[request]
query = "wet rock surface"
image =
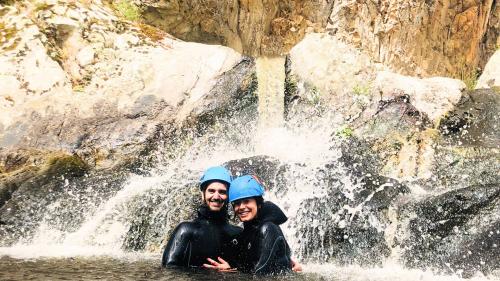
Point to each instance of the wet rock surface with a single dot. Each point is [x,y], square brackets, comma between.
[346,223]
[457,231]
[349,223]
[57,199]
[474,121]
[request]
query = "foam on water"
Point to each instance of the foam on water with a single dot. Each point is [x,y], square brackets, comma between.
[389,271]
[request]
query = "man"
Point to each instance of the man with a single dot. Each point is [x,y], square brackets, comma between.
[209,235]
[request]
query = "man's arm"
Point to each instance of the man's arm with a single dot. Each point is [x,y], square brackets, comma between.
[178,250]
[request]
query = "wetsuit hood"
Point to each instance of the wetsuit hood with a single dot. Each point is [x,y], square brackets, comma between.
[269,212]
[206,213]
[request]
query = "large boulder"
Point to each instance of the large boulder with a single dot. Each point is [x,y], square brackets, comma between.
[433,97]
[490,78]
[457,231]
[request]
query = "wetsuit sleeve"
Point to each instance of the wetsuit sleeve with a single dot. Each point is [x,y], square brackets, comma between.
[178,250]
[273,250]
[231,247]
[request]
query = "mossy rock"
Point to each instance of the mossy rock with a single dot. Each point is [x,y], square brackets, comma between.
[69,165]
[8,37]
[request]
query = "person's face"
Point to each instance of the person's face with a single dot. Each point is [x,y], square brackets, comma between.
[215,196]
[245,209]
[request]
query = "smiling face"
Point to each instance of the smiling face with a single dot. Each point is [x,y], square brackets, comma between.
[245,209]
[215,196]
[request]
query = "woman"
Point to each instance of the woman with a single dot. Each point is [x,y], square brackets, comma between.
[261,247]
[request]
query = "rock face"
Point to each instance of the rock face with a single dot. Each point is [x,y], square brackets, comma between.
[88,91]
[250,27]
[420,37]
[457,231]
[323,70]
[490,78]
[434,96]
[108,83]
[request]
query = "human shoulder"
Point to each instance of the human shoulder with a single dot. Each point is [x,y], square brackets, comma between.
[185,228]
[269,228]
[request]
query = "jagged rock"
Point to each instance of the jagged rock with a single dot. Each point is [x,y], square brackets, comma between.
[490,78]
[264,167]
[432,96]
[419,37]
[456,231]
[251,27]
[54,196]
[474,120]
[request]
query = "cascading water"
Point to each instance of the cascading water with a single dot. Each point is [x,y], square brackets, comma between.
[271,89]
[338,212]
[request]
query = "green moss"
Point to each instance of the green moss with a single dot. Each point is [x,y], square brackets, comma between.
[127,10]
[468,74]
[78,88]
[345,131]
[361,90]
[8,40]
[314,96]
[71,165]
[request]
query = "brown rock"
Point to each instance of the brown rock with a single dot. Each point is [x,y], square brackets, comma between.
[250,27]
[420,37]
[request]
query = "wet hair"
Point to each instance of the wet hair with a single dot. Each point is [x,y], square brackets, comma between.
[259,200]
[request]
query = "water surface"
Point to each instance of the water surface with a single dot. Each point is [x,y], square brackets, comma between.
[107,268]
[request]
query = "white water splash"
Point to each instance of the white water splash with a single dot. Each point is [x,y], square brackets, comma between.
[389,271]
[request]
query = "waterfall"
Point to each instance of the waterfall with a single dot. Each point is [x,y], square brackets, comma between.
[271,91]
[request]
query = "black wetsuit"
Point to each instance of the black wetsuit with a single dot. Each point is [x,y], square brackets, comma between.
[262,247]
[208,236]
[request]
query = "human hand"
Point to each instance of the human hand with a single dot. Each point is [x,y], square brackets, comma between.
[222,265]
[296,266]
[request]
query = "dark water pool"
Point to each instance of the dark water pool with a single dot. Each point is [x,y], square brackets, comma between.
[114,269]
[105,268]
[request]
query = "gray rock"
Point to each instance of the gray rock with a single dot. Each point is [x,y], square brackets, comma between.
[457,231]
[474,121]
[490,78]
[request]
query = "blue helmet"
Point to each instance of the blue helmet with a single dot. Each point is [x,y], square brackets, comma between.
[217,173]
[245,187]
